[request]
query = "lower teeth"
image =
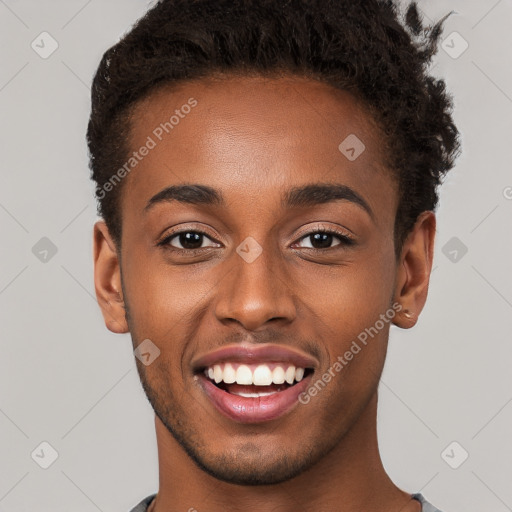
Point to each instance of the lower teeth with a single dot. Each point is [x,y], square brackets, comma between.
[255,395]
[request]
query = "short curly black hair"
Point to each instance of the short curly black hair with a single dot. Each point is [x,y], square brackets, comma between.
[369,48]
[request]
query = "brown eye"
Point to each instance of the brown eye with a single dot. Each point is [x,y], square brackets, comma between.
[186,240]
[323,239]
[190,240]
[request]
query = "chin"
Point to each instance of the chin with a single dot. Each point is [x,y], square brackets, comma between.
[254,472]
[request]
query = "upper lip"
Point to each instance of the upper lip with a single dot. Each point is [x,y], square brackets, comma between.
[250,353]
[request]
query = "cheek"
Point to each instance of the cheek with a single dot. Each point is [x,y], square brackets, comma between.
[345,305]
[342,299]
[348,297]
[160,294]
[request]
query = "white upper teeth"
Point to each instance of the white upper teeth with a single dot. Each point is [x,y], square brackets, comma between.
[259,375]
[262,375]
[243,375]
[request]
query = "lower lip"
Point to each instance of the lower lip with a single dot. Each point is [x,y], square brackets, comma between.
[253,409]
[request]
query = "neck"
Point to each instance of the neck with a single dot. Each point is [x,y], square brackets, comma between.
[350,478]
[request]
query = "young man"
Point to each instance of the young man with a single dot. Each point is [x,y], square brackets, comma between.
[266,171]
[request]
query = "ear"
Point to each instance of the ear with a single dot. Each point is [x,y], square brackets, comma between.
[414,269]
[107,280]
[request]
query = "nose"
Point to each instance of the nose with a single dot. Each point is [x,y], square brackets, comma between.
[255,292]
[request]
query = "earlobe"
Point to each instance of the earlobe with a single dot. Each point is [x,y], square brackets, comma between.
[414,269]
[107,280]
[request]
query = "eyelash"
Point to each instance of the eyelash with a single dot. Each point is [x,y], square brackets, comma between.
[345,240]
[344,237]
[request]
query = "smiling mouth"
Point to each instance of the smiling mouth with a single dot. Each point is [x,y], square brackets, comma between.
[250,383]
[255,380]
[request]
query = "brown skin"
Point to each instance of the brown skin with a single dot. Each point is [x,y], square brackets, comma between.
[253,139]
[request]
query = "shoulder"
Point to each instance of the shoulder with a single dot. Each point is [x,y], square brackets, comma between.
[425,505]
[143,505]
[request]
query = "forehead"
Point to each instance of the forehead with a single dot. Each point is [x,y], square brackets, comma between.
[250,134]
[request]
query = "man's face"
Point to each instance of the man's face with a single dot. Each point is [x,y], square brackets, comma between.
[254,271]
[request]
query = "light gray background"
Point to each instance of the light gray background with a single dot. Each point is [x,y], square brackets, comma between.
[65,379]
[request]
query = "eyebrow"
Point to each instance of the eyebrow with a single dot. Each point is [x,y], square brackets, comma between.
[297,197]
[321,193]
[189,194]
